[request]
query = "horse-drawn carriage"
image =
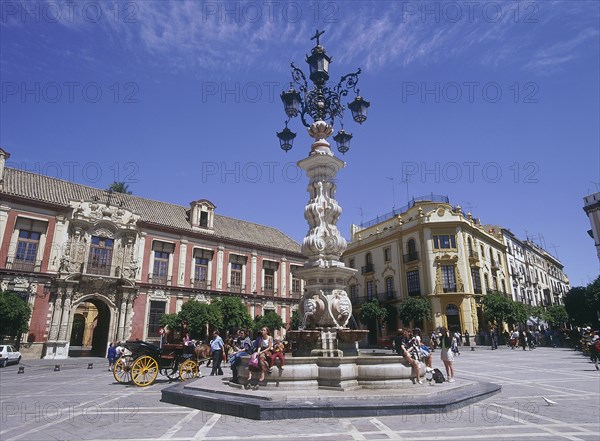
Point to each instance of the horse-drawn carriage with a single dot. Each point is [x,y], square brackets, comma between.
[147,361]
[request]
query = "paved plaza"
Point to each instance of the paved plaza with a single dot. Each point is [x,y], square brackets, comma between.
[77,403]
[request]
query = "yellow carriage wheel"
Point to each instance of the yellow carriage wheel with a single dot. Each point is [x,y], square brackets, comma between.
[144,370]
[189,369]
[122,369]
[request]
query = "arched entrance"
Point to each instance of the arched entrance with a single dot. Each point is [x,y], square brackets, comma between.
[89,332]
[453,318]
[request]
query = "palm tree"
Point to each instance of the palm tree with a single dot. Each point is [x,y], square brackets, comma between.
[119,187]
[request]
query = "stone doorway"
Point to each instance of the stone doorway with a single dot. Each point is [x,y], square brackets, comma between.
[90,329]
[453,318]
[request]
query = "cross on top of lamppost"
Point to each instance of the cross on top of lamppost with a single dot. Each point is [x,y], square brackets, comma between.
[322,102]
[317,35]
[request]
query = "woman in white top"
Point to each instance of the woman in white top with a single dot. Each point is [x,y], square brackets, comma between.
[264,351]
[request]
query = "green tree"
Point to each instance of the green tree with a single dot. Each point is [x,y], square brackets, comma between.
[119,187]
[556,315]
[173,321]
[14,316]
[201,316]
[373,314]
[519,313]
[497,308]
[271,320]
[295,320]
[414,308]
[583,304]
[234,314]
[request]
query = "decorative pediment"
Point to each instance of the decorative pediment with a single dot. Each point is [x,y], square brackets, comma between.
[158,294]
[93,211]
[388,271]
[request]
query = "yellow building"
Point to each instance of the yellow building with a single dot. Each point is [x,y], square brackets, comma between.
[429,249]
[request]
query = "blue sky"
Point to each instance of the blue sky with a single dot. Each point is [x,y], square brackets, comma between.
[495,104]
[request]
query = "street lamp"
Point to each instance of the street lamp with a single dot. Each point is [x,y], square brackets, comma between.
[325,305]
[321,102]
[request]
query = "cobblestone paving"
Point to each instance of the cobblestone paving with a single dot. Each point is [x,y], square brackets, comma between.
[77,403]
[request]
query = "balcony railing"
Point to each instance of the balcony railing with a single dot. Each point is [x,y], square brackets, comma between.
[201,284]
[414,293]
[449,288]
[367,269]
[236,288]
[295,294]
[23,265]
[411,257]
[159,279]
[269,291]
[98,269]
[477,291]
[388,295]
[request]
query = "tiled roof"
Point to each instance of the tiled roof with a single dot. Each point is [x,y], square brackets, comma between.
[46,189]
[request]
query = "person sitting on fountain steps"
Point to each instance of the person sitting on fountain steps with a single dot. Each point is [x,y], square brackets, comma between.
[405,349]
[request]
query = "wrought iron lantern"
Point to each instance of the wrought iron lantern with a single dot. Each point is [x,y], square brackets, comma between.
[343,141]
[286,138]
[291,102]
[319,64]
[320,101]
[359,109]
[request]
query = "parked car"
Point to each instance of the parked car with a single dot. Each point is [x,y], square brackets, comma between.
[9,355]
[386,342]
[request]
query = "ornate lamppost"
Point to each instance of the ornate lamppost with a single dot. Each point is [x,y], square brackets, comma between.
[325,307]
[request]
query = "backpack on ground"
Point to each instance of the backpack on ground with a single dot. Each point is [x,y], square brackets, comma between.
[438,377]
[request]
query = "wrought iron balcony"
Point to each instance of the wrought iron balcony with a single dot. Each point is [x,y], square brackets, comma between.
[159,279]
[449,288]
[16,264]
[269,291]
[295,294]
[411,257]
[201,284]
[367,269]
[414,293]
[97,268]
[236,288]
[477,291]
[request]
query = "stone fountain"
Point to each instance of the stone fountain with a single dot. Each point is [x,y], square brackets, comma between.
[325,376]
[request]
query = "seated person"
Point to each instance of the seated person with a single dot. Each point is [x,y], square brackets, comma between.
[278,352]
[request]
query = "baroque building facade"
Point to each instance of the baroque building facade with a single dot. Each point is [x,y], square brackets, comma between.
[435,250]
[537,277]
[98,266]
[429,249]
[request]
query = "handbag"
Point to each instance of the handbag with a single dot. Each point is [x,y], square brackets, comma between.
[253,361]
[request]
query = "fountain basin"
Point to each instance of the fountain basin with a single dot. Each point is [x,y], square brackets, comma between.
[336,373]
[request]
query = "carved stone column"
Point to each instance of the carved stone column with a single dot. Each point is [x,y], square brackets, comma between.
[122,314]
[325,305]
[56,314]
[128,316]
[253,272]
[66,314]
[221,248]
